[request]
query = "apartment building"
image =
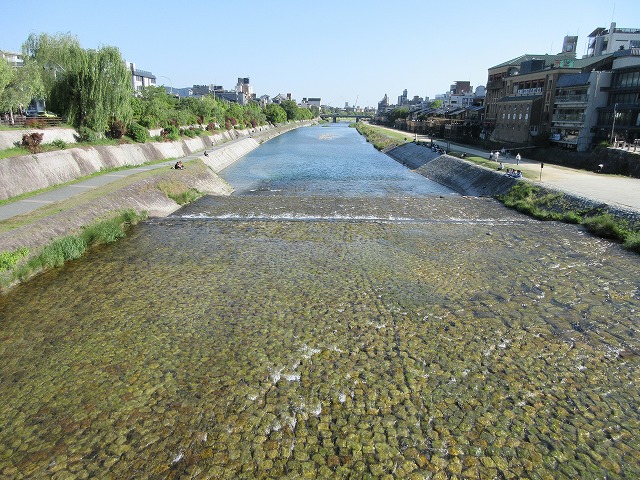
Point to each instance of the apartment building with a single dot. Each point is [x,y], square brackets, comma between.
[140,78]
[577,99]
[619,120]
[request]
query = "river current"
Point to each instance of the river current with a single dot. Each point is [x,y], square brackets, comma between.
[339,316]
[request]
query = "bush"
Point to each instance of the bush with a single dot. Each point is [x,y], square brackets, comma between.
[139,133]
[59,144]
[108,231]
[632,242]
[170,132]
[117,129]
[606,226]
[211,127]
[31,141]
[10,259]
[67,248]
[189,132]
[85,134]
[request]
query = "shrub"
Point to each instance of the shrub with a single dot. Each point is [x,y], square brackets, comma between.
[117,129]
[10,259]
[571,217]
[31,141]
[67,248]
[170,132]
[632,242]
[85,134]
[189,132]
[138,133]
[606,226]
[59,144]
[211,127]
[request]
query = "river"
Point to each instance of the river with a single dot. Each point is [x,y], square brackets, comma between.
[338,316]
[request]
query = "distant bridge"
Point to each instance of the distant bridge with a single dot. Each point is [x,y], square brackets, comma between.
[335,116]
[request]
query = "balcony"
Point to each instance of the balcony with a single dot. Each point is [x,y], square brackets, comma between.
[583,98]
[568,118]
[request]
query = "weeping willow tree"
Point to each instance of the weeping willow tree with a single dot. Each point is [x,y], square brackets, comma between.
[90,87]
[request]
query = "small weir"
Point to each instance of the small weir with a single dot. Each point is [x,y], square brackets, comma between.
[318,324]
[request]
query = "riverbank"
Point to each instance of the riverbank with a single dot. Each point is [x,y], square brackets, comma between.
[153,191]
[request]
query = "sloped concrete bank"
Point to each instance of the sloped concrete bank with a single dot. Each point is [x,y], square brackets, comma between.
[29,173]
[470,179]
[460,175]
[143,195]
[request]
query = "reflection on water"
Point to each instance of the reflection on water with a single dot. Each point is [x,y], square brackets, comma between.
[268,336]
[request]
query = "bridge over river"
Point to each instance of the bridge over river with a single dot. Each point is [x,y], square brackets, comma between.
[336,116]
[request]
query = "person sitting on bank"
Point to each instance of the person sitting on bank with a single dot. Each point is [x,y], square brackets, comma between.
[179,165]
[501,166]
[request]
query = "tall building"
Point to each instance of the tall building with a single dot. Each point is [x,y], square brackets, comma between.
[244,86]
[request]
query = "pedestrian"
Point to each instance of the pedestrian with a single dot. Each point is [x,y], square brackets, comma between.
[518,157]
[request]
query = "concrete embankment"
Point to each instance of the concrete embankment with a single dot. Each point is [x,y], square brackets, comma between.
[141,195]
[460,175]
[29,173]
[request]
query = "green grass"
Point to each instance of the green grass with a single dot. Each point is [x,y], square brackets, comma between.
[381,138]
[70,247]
[530,200]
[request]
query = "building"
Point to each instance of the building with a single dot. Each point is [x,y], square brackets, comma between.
[577,99]
[311,102]
[140,78]
[619,120]
[520,93]
[244,87]
[602,41]
[14,59]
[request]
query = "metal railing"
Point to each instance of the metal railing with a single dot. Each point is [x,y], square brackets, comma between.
[583,98]
[574,118]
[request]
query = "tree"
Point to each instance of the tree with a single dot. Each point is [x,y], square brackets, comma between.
[53,54]
[275,113]
[436,104]
[291,109]
[18,86]
[153,107]
[90,87]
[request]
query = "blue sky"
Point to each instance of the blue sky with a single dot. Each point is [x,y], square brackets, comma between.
[339,50]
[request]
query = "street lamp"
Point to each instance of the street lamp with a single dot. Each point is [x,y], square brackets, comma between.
[170,82]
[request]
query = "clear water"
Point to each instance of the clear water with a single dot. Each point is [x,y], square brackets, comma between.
[275,335]
[329,160]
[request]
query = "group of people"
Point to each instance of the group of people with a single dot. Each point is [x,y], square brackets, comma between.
[511,172]
[505,153]
[437,148]
[179,165]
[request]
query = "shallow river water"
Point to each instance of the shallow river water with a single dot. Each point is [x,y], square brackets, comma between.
[382,329]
